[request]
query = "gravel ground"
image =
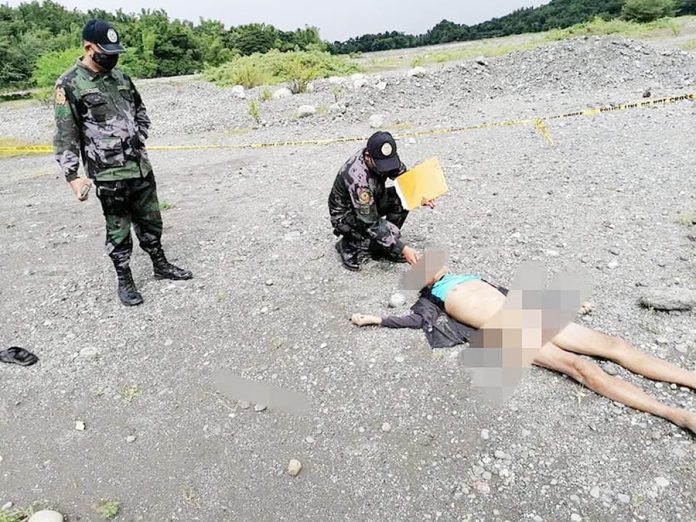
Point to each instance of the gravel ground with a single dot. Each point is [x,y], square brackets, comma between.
[158,438]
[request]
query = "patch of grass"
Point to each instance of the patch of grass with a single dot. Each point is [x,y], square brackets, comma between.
[487,50]
[131,393]
[239,131]
[599,27]
[337,91]
[108,509]
[21,515]
[298,68]
[406,125]
[688,46]
[686,219]
[254,111]
[166,205]
[266,95]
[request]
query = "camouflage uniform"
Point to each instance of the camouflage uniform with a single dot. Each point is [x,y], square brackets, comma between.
[101,117]
[364,210]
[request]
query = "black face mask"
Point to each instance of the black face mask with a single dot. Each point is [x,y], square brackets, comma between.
[105,61]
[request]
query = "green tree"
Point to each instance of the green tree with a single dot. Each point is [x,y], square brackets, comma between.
[648,10]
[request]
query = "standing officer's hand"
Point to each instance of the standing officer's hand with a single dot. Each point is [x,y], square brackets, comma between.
[428,203]
[81,188]
[411,255]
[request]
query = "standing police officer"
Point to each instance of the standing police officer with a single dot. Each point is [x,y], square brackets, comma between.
[364,210]
[101,117]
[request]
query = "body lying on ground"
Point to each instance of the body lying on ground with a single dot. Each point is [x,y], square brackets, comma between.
[468,303]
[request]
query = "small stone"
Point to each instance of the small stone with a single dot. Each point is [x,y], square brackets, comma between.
[309,440]
[397,300]
[88,352]
[259,408]
[500,455]
[485,435]
[613,264]
[7,506]
[669,299]
[239,92]
[615,251]
[359,84]
[244,405]
[553,253]
[575,498]
[575,517]
[624,499]
[386,427]
[46,516]
[482,61]
[417,72]
[294,467]
[80,426]
[662,482]
[662,341]
[131,438]
[595,492]
[283,92]
[269,282]
[376,121]
[305,111]
[610,368]
[486,475]
[381,86]
[647,93]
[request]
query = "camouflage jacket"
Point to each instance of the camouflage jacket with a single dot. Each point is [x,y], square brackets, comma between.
[102,118]
[353,204]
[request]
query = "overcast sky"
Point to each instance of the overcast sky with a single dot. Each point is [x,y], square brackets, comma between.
[336,20]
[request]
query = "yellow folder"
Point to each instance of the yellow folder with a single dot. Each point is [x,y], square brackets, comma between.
[422,183]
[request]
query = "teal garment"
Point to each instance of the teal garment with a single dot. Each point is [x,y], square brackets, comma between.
[442,287]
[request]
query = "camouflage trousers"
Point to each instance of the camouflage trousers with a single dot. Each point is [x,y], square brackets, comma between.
[125,203]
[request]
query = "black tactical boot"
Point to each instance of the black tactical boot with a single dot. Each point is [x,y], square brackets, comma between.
[350,254]
[127,292]
[379,252]
[165,270]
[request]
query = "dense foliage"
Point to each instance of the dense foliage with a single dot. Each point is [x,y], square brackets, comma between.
[39,38]
[558,14]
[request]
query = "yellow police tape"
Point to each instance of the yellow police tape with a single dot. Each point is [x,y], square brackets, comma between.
[539,123]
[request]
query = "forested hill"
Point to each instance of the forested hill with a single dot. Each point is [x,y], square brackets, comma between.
[557,14]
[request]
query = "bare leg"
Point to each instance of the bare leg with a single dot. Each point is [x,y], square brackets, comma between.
[579,339]
[592,376]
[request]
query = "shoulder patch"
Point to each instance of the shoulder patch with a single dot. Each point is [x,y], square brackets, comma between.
[59,96]
[365,196]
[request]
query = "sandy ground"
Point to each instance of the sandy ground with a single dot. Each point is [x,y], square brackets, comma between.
[618,181]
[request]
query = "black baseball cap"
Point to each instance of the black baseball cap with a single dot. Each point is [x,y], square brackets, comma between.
[382,149]
[104,35]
